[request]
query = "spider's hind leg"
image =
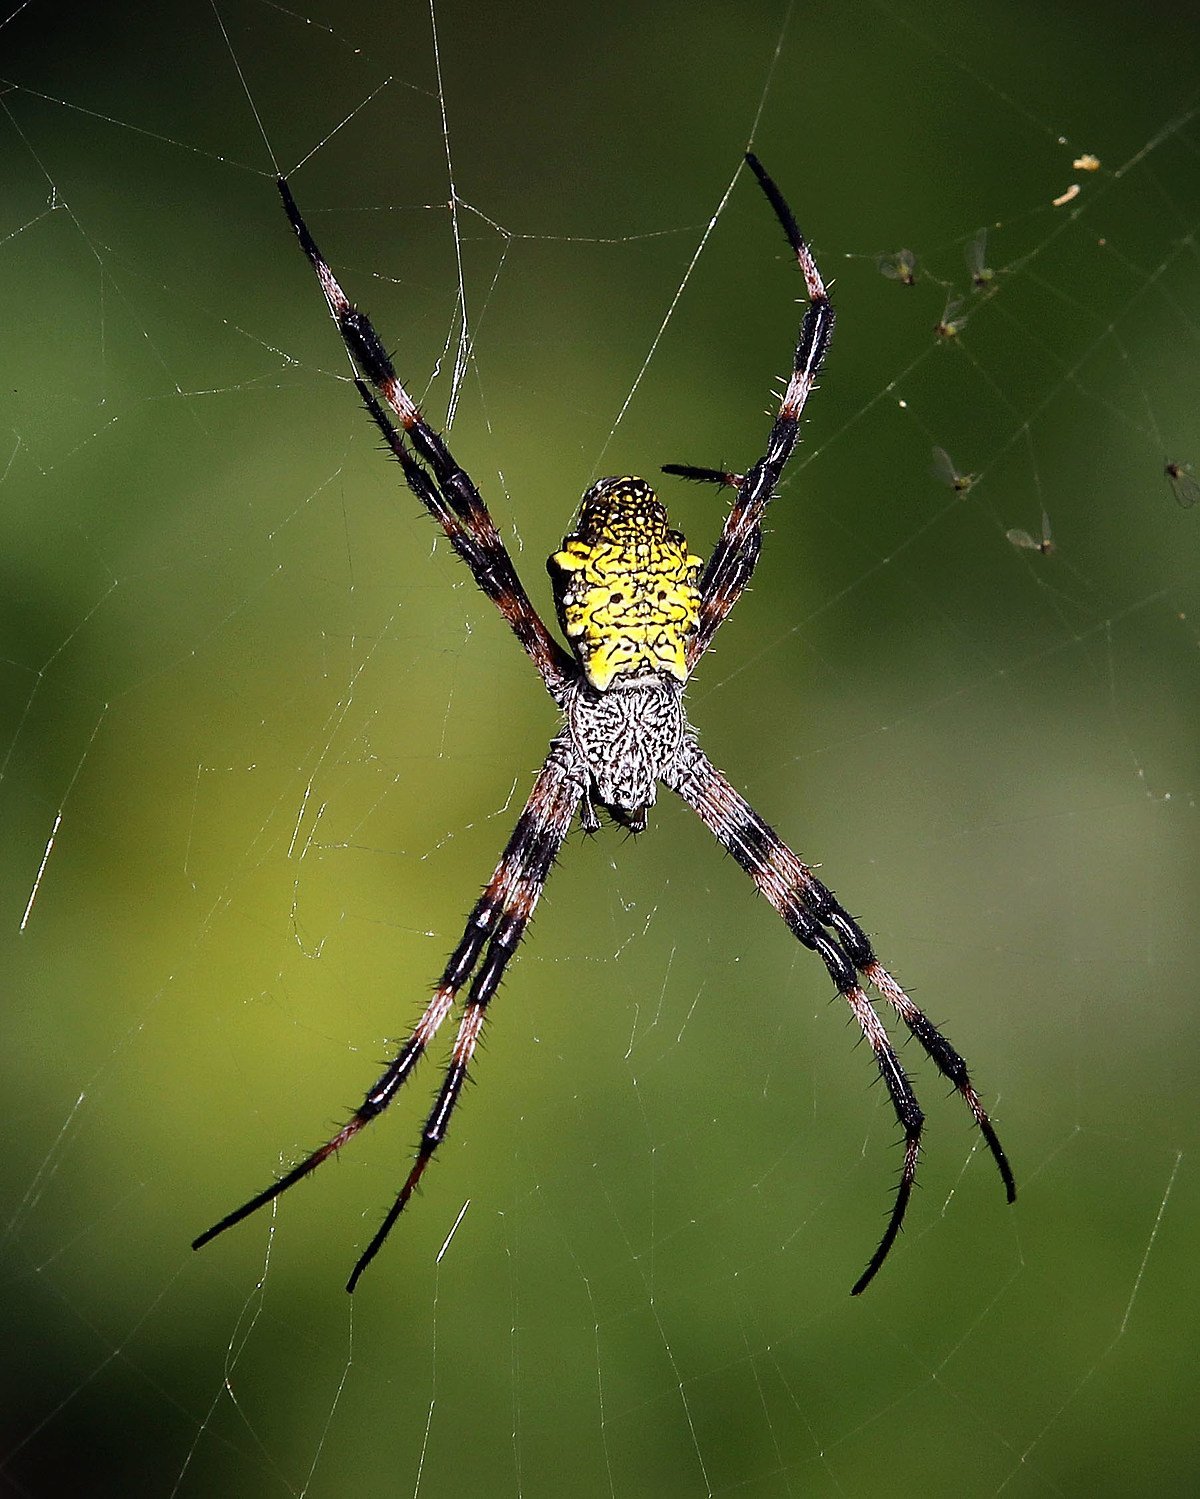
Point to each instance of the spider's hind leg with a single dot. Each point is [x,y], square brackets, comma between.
[933,1043]
[492,932]
[817,920]
[947,1061]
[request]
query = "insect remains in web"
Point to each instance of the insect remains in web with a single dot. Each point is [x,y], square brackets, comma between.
[952,321]
[981,272]
[1026,543]
[900,266]
[945,472]
[1183,483]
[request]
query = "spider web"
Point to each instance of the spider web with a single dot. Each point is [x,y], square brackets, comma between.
[263,740]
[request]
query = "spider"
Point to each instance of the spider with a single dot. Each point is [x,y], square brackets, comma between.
[638,610]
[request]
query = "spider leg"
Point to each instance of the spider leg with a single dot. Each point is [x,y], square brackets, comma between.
[736,552]
[450,495]
[513,888]
[724,478]
[537,853]
[946,1059]
[809,908]
[825,906]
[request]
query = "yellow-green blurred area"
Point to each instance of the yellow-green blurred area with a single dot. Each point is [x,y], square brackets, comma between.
[263,740]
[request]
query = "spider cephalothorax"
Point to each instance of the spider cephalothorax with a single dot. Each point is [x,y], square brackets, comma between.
[639,610]
[627,739]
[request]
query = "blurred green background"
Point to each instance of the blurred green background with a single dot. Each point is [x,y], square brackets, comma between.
[281,739]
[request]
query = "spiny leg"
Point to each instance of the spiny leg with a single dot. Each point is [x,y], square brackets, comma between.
[724,478]
[809,907]
[454,502]
[742,832]
[948,1062]
[825,906]
[736,552]
[535,840]
[503,943]
[498,581]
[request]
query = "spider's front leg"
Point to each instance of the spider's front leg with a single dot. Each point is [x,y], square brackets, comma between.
[443,487]
[735,555]
[812,912]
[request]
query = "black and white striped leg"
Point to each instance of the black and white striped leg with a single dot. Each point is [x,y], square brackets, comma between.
[539,851]
[829,912]
[736,552]
[453,500]
[512,890]
[822,925]
[948,1062]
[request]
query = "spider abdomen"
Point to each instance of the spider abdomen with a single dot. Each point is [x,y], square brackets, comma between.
[625,586]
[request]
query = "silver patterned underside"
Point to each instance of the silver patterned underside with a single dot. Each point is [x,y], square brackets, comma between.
[627,738]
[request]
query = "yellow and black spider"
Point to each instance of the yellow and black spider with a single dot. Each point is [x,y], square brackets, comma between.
[638,610]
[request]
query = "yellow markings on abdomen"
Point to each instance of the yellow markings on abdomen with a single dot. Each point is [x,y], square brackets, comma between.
[625,586]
